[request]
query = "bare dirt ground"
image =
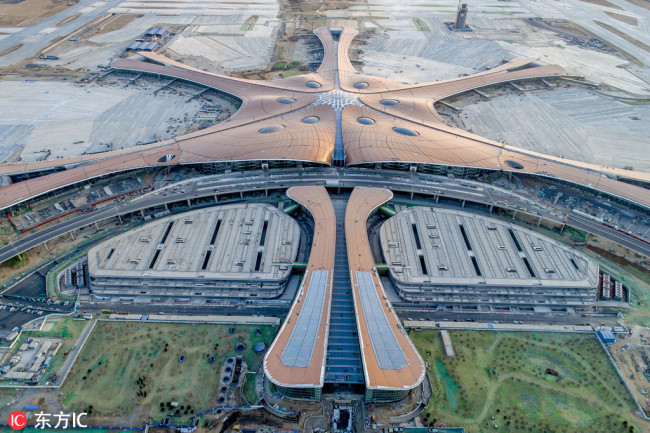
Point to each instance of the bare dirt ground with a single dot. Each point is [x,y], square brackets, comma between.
[117,22]
[604,3]
[624,35]
[623,18]
[27,12]
[11,49]
[628,355]
[67,20]
[645,4]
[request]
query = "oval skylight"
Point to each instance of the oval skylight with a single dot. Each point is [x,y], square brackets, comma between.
[361,85]
[514,164]
[313,84]
[405,131]
[271,128]
[366,121]
[286,100]
[167,158]
[310,119]
[389,102]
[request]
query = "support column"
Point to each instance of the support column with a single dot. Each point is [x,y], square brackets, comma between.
[463,205]
[241,194]
[216,198]
[437,198]
[142,212]
[45,245]
[119,217]
[514,215]
[72,236]
[491,208]
[188,203]
[539,221]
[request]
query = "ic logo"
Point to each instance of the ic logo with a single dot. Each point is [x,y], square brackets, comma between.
[17,420]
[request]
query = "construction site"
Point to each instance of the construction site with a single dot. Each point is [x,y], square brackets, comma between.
[270,40]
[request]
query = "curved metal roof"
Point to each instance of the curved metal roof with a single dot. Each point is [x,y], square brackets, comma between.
[297,356]
[390,360]
[264,103]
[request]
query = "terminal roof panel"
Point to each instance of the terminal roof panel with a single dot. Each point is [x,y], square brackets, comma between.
[247,241]
[297,356]
[390,355]
[383,360]
[404,127]
[449,247]
[300,347]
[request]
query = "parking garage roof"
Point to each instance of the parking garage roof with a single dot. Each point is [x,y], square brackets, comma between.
[434,246]
[231,242]
[390,361]
[297,356]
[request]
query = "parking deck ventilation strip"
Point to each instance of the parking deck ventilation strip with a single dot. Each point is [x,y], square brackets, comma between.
[300,347]
[110,254]
[343,364]
[423,265]
[155,259]
[530,269]
[215,232]
[263,237]
[418,245]
[476,268]
[387,350]
[514,238]
[258,262]
[206,260]
[575,265]
[465,238]
[169,228]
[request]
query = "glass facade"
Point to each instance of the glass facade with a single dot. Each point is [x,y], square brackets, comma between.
[311,394]
[384,395]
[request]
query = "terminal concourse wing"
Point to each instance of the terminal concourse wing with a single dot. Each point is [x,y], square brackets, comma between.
[297,356]
[390,360]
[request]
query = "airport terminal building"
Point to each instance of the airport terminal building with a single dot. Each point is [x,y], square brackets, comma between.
[341,330]
[233,251]
[449,257]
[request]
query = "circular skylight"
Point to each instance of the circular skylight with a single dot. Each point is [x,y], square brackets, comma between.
[271,128]
[167,158]
[310,119]
[313,84]
[361,85]
[514,164]
[405,131]
[389,102]
[286,100]
[366,121]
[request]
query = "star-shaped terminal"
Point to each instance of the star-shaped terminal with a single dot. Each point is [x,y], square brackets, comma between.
[332,116]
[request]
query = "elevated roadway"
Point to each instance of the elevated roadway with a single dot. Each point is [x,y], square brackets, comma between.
[267,181]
